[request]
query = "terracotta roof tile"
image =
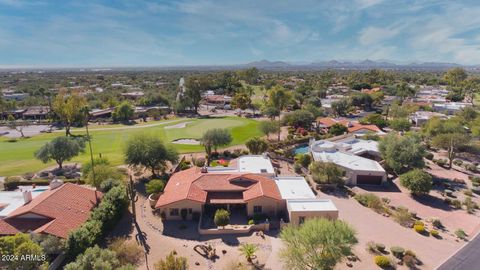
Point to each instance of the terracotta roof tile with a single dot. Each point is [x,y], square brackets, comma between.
[64,208]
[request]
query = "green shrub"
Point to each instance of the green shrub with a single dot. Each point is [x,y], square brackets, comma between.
[460,234]
[251,222]
[419,228]
[222,217]
[410,253]
[429,156]
[468,192]
[403,217]
[470,205]
[382,261]
[155,186]
[369,200]
[458,162]
[434,233]
[107,185]
[419,222]
[456,204]
[417,181]
[200,162]
[437,223]
[380,247]
[397,251]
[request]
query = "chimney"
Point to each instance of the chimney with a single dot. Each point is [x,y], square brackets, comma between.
[204,169]
[55,183]
[27,196]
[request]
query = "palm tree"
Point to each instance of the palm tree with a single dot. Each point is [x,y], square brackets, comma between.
[248,250]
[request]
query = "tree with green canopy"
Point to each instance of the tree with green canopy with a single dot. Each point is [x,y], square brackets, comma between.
[326,173]
[256,145]
[402,153]
[317,244]
[149,151]
[60,149]
[214,138]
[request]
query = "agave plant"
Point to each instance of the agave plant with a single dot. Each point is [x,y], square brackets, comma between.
[248,250]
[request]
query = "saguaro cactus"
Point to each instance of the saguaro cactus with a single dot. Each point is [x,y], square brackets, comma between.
[132,196]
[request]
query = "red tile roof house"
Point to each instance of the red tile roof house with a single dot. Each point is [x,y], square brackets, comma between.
[354,127]
[197,190]
[56,211]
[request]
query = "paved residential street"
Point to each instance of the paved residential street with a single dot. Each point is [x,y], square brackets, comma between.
[468,258]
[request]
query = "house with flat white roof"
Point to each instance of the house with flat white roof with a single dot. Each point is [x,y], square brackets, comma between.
[300,201]
[355,156]
[419,118]
[450,108]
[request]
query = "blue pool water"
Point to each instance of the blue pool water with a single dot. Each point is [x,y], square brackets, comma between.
[301,149]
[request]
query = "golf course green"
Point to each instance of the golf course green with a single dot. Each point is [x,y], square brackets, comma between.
[18,157]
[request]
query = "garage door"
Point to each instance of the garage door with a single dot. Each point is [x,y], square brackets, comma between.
[369,180]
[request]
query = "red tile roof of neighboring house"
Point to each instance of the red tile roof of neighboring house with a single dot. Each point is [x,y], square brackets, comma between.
[57,211]
[351,125]
[6,228]
[192,184]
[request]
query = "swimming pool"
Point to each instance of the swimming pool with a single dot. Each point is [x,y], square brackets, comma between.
[301,149]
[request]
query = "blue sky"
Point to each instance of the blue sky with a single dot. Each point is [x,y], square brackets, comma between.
[205,32]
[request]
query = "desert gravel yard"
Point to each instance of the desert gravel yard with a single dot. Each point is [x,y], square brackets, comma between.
[371,226]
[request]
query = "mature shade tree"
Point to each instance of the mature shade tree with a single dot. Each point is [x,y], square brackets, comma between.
[446,134]
[417,181]
[241,100]
[214,138]
[279,98]
[402,153]
[400,124]
[250,75]
[403,90]
[20,245]
[16,125]
[60,149]
[149,151]
[341,107]
[361,100]
[298,118]
[317,244]
[337,129]
[467,114]
[374,119]
[452,142]
[455,76]
[195,86]
[270,127]
[68,108]
[270,111]
[172,262]
[256,145]
[95,258]
[327,173]
[123,112]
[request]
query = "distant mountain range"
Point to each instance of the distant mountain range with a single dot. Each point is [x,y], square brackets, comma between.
[364,64]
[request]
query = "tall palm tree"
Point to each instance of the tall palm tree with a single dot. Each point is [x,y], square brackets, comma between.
[85,111]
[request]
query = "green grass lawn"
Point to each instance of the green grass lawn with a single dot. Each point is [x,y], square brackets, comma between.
[17,157]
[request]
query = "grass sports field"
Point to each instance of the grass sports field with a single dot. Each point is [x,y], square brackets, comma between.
[17,157]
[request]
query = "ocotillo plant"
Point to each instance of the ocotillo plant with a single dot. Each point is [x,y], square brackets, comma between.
[132,195]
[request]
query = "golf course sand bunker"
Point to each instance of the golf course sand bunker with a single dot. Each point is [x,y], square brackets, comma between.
[186,141]
[181,125]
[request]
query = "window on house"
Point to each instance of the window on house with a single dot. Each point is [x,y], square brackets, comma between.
[174,212]
[189,210]
[257,209]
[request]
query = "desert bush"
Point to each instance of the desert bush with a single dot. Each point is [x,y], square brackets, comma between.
[470,205]
[458,162]
[382,261]
[419,222]
[369,200]
[409,261]
[397,251]
[380,247]
[429,156]
[460,234]
[434,233]
[419,228]
[372,247]
[403,217]
[456,204]
[437,223]
[128,252]
[468,192]
[200,162]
